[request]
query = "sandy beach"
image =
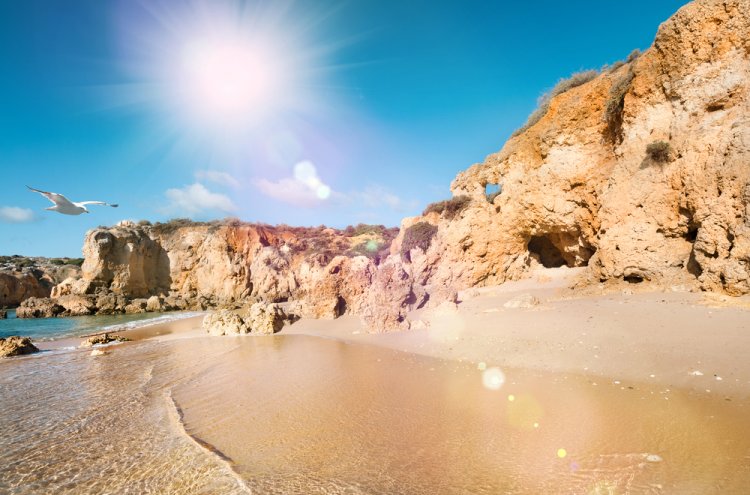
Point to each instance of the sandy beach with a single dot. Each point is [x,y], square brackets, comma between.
[612,393]
[685,340]
[673,339]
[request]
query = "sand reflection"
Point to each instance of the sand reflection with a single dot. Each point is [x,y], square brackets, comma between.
[306,415]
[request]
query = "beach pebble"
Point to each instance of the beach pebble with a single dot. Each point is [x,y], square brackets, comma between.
[522,301]
[653,458]
[98,352]
[696,373]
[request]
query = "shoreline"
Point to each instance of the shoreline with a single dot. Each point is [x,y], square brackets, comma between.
[669,339]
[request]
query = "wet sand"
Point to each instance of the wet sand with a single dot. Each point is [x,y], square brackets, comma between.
[297,414]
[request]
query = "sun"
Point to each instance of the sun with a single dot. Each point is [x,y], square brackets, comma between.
[225,70]
[228,79]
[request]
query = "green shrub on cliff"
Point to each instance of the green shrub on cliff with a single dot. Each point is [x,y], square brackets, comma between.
[449,208]
[419,236]
[659,151]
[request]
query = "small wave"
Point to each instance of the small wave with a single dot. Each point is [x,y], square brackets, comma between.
[165,318]
[175,412]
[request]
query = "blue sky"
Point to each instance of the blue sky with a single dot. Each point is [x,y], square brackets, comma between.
[337,113]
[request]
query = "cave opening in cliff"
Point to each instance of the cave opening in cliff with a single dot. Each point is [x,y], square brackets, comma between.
[633,278]
[553,250]
[340,308]
[544,250]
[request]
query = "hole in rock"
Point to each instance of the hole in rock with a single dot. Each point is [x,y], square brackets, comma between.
[633,279]
[559,249]
[340,308]
[547,253]
[491,191]
[691,234]
[693,267]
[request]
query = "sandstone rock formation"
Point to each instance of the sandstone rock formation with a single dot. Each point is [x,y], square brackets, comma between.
[35,307]
[182,265]
[261,319]
[16,346]
[580,189]
[225,322]
[21,278]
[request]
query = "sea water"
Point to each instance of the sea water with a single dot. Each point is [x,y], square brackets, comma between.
[57,328]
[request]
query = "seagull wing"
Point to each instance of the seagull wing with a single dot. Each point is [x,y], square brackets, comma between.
[82,203]
[57,199]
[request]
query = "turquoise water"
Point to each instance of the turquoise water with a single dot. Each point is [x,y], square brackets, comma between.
[55,328]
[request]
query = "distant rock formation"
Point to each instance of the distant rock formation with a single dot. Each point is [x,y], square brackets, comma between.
[23,277]
[639,173]
[184,265]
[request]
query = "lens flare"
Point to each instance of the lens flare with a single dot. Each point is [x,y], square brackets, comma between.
[493,378]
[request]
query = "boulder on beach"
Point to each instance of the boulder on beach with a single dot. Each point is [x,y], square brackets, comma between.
[103,339]
[154,304]
[522,301]
[266,319]
[225,322]
[16,346]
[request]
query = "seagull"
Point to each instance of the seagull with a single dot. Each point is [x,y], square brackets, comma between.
[65,206]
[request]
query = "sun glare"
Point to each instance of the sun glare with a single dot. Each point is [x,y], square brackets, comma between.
[222,70]
[228,79]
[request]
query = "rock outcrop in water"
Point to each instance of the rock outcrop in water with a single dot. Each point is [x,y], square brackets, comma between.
[16,346]
[639,173]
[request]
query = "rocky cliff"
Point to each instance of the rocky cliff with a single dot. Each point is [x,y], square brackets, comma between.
[639,172]
[23,277]
[185,265]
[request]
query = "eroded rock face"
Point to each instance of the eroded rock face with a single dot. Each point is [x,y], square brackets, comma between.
[16,346]
[135,268]
[24,277]
[579,188]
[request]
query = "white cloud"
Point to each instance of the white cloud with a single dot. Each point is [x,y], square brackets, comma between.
[14,214]
[221,178]
[195,199]
[305,188]
[375,196]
